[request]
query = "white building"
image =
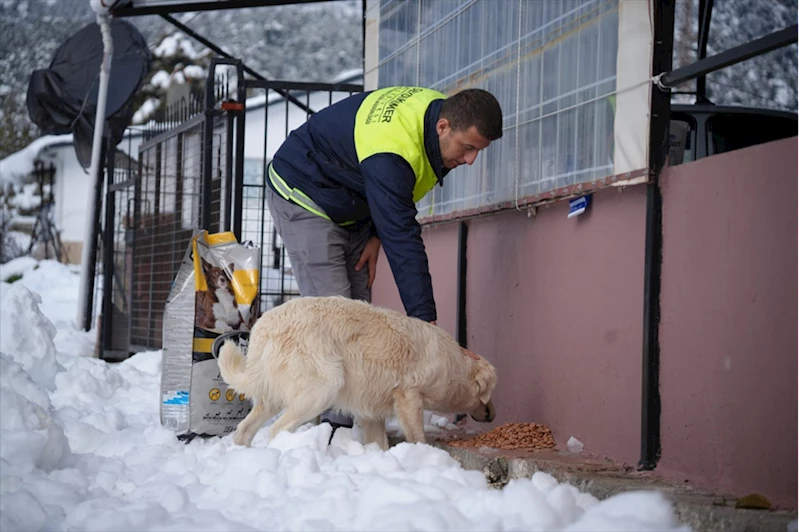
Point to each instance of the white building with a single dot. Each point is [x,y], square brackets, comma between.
[71,184]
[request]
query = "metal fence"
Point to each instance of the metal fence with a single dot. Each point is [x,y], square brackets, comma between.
[180,183]
[193,173]
[280,107]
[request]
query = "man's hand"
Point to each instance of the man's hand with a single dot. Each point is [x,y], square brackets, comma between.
[469,353]
[369,257]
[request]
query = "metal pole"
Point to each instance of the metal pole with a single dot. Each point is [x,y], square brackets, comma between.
[90,232]
[238,182]
[207,155]
[108,263]
[658,150]
[463,233]
[761,46]
[705,14]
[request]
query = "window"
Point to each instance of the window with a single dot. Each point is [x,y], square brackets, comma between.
[550,63]
[734,131]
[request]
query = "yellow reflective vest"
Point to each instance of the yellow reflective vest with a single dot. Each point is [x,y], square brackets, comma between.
[392,121]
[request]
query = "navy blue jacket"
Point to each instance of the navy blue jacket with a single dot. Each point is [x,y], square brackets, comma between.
[319,158]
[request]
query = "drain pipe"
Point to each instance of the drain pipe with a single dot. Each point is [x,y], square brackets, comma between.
[460,319]
[89,251]
[460,301]
[653,251]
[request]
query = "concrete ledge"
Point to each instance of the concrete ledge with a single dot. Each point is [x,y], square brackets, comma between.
[602,479]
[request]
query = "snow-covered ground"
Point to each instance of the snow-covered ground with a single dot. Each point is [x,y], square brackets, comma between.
[81,448]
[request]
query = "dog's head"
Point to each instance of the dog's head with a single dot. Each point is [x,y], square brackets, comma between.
[485,379]
[217,277]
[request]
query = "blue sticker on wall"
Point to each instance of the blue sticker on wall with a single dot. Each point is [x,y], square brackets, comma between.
[578,206]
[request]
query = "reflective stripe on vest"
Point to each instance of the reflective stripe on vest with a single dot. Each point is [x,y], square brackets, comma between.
[297,196]
[392,121]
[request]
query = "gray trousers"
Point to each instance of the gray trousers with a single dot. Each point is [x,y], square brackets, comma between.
[323,256]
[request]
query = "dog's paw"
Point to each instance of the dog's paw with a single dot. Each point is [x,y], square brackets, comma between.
[241,439]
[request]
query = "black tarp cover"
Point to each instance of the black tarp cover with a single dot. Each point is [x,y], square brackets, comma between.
[63,98]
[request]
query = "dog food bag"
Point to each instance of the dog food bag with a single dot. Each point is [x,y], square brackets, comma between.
[215,292]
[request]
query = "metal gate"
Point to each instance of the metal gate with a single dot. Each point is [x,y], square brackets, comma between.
[274,109]
[197,169]
[183,181]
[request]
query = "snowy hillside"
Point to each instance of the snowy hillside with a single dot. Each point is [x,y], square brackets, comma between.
[315,42]
[303,42]
[765,81]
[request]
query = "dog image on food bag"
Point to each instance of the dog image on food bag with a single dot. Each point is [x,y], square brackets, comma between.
[316,353]
[216,308]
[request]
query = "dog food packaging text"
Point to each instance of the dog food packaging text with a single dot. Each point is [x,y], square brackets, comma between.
[214,292]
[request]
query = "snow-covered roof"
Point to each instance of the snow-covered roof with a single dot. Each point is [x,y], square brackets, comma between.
[16,166]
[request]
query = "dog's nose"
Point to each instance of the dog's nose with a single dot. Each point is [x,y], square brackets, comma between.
[486,415]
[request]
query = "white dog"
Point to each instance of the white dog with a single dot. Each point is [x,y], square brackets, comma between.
[315,353]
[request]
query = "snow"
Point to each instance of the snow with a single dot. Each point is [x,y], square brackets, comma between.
[146,109]
[160,79]
[28,198]
[17,242]
[71,183]
[574,445]
[194,72]
[177,41]
[81,448]
[15,167]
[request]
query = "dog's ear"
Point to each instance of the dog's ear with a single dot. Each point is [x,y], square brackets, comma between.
[485,379]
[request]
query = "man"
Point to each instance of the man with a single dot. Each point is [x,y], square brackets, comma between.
[349,178]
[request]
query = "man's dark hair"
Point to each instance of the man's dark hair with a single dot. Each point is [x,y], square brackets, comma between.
[474,107]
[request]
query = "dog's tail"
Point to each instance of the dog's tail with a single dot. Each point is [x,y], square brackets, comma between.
[232,365]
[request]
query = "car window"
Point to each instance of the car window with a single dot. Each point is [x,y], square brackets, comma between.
[734,131]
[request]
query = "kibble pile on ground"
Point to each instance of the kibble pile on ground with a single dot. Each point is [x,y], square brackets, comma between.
[512,437]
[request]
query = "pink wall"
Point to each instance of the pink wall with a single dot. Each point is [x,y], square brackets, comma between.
[556,305]
[441,243]
[729,321]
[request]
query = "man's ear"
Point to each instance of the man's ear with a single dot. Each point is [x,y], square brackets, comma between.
[442,126]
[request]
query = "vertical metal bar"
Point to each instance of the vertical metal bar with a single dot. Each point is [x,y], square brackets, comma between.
[92,266]
[705,14]
[151,257]
[108,263]
[238,195]
[282,267]
[208,147]
[178,221]
[132,243]
[463,234]
[658,150]
[282,271]
[363,36]
[159,161]
[264,192]
[226,207]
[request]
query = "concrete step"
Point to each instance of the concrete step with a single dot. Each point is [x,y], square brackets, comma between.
[700,510]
